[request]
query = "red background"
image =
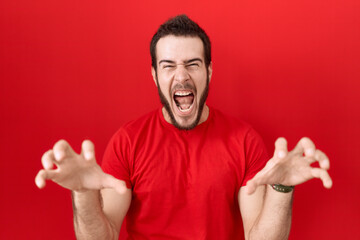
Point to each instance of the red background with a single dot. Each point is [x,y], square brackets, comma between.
[80,69]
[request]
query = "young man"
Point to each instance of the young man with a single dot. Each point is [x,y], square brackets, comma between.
[185,171]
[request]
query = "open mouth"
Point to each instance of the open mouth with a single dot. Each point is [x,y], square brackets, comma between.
[184,100]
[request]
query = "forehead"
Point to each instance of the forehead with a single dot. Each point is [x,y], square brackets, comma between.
[179,48]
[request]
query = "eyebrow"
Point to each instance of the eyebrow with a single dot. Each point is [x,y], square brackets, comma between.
[185,62]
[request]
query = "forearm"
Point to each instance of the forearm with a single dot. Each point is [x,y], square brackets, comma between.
[90,221]
[274,221]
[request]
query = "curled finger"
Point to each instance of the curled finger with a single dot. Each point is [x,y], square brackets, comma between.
[323,175]
[62,149]
[48,160]
[322,159]
[42,176]
[310,160]
[305,146]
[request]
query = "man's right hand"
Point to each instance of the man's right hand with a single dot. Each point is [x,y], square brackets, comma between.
[75,172]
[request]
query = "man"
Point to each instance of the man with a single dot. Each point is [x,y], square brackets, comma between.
[185,171]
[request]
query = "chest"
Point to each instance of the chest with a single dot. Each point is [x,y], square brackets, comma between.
[187,166]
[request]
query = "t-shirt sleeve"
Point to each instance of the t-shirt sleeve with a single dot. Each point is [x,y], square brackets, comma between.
[255,154]
[117,156]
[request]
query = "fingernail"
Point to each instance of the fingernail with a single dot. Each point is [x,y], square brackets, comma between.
[281,154]
[38,183]
[58,155]
[309,152]
[47,165]
[325,164]
[88,155]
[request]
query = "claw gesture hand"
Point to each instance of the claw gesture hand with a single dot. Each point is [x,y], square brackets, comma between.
[292,168]
[77,172]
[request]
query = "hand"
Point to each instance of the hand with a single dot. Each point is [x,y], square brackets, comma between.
[75,172]
[292,168]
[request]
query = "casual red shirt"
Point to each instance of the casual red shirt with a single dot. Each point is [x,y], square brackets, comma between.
[185,183]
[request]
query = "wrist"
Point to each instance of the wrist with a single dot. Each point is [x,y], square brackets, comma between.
[80,193]
[282,188]
[82,198]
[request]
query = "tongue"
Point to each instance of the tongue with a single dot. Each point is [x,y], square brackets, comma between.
[184,101]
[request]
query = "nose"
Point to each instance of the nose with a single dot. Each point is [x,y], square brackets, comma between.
[181,74]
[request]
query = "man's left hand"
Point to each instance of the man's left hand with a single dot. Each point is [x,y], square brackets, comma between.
[292,168]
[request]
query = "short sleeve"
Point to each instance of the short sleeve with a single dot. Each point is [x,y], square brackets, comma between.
[116,157]
[256,155]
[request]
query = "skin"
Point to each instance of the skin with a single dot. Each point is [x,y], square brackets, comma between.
[83,176]
[266,213]
[181,65]
[101,201]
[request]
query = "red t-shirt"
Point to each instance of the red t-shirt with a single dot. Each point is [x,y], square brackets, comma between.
[185,184]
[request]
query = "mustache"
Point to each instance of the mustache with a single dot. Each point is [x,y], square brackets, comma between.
[186,86]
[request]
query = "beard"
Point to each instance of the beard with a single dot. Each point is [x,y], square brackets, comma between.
[166,104]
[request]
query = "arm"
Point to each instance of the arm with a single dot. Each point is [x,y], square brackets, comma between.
[99,215]
[96,216]
[266,213]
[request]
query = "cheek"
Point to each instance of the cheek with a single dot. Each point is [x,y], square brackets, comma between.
[165,87]
[200,85]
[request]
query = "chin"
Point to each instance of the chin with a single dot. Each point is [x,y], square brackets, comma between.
[186,124]
[184,108]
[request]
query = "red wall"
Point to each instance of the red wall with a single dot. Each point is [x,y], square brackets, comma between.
[80,69]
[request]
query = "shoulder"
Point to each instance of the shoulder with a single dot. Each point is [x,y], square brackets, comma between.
[134,127]
[234,128]
[142,121]
[227,122]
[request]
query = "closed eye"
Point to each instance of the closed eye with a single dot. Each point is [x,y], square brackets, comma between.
[192,65]
[168,66]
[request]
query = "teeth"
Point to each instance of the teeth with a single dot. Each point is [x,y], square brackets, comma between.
[182,93]
[181,110]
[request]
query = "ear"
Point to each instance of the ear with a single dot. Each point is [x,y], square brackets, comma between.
[210,71]
[153,73]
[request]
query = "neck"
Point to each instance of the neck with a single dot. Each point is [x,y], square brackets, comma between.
[204,114]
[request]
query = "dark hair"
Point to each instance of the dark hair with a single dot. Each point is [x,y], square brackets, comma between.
[181,25]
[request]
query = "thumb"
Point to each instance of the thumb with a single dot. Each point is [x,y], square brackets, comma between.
[114,183]
[251,186]
[257,180]
[88,150]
